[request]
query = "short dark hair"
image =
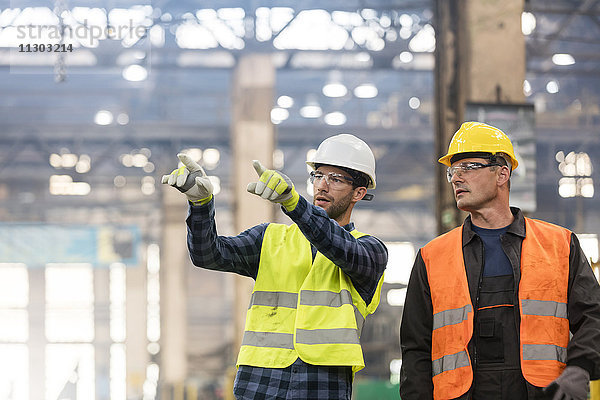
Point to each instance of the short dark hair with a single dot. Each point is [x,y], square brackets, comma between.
[359,179]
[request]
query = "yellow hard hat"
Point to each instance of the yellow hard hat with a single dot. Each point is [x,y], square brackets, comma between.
[477,137]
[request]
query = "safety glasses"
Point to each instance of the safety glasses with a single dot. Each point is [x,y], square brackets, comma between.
[333,180]
[466,167]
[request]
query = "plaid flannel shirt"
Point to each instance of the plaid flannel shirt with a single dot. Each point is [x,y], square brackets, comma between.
[363,260]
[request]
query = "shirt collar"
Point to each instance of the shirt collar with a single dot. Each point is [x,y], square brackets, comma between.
[517,227]
[349,227]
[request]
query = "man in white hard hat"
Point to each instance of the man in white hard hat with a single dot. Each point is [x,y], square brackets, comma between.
[315,280]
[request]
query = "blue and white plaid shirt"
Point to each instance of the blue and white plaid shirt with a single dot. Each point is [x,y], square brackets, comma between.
[363,260]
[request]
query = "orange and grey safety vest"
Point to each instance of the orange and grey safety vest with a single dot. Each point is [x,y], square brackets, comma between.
[544,328]
[302,308]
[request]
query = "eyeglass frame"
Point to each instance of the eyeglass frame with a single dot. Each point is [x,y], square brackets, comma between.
[331,175]
[468,166]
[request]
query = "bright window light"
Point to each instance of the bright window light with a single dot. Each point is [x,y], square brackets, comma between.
[69,160]
[585,187]
[84,164]
[552,87]
[526,88]
[70,369]
[122,119]
[278,115]
[423,41]
[153,293]
[117,295]
[589,245]
[405,33]
[395,366]
[157,36]
[194,153]
[193,36]
[406,20]
[14,371]
[527,23]
[583,164]
[396,297]
[103,117]
[567,187]
[139,160]
[135,73]
[69,302]
[563,59]
[285,101]
[312,30]
[118,372]
[334,90]
[311,111]
[405,57]
[231,13]
[414,103]
[366,91]
[401,256]
[211,158]
[14,298]
[14,285]
[63,185]
[335,118]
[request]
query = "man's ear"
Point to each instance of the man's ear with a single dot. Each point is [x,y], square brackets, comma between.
[504,175]
[359,193]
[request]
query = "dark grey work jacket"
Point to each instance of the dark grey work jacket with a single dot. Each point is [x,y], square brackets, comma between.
[494,347]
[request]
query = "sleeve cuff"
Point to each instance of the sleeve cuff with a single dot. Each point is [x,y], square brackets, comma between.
[201,209]
[585,364]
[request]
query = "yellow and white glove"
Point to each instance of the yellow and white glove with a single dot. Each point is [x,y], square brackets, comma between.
[191,180]
[274,186]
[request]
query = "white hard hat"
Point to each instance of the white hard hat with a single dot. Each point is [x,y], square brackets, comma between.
[348,151]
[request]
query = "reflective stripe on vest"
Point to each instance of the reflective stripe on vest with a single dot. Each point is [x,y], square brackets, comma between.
[316,336]
[302,307]
[544,352]
[274,299]
[451,317]
[545,308]
[327,336]
[268,339]
[325,298]
[450,362]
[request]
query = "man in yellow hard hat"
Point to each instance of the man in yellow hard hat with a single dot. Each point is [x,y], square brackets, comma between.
[315,281]
[491,305]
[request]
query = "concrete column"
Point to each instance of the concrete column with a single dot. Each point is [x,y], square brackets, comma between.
[136,343]
[480,57]
[174,260]
[252,138]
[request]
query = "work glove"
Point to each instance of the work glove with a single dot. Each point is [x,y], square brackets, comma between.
[274,186]
[572,384]
[191,180]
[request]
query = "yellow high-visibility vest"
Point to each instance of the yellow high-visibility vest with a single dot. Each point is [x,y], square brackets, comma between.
[301,308]
[544,328]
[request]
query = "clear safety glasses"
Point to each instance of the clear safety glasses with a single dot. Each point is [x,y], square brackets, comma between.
[466,167]
[333,180]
